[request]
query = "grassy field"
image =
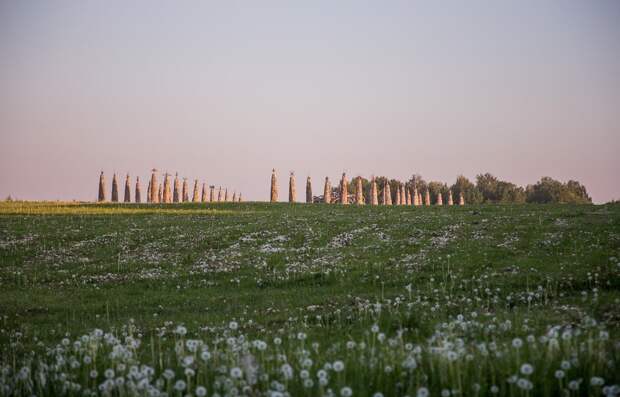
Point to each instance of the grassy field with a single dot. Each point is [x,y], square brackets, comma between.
[303,300]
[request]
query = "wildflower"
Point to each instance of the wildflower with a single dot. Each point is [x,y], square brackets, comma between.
[346,391]
[565,365]
[180,385]
[277,341]
[422,392]
[93,374]
[524,384]
[233,325]
[301,336]
[168,374]
[201,391]
[109,373]
[181,330]
[445,393]
[338,366]
[527,369]
[321,373]
[236,373]
[517,343]
[559,374]
[494,389]
[374,329]
[205,355]
[597,381]
[308,383]
[573,385]
[287,371]
[378,394]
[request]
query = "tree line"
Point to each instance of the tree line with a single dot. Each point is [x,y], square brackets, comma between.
[489,189]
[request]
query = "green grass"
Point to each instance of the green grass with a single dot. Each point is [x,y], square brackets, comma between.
[447,280]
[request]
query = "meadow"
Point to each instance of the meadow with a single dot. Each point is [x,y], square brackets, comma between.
[264,299]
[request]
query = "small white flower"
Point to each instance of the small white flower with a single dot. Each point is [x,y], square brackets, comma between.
[201,391]
[233,325]
[346,391]
[517,343]
[422,392]
[559,374]
[236,373]
[180,385]
[527,369]
[338,366]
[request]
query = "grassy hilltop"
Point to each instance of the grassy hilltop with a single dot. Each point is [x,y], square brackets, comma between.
[255,298]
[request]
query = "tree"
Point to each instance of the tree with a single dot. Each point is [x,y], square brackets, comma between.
[548,190]
[471,194]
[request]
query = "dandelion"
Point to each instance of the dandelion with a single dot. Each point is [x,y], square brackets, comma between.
[559,374]
[201,391]
[517,343]
[109,373]
[346,391]
[524,384]
[494,389]
[236,373]
[445,393]
[597,381]
[338,366]
[180,385]
[527,369]
[573,385]
[93,374]
[308,383]
[374,329]
[422,392]
[233,325]
[287,371]
[378,394]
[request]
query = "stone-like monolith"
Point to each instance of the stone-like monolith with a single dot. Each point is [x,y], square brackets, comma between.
[154,189]
[359,191]
[388,193]
[148,192]
[138,191]
[204,197]
[416,202]
[439,199]
[160,193]
[327,192]
[195,196]
[114,189]
[374,199]
[101,195]
[219,195]
[450,201]
[274,187]
[308,190]
[461,199]
[292,190]
[127,196]
[398,194]
[167,198]
[212,193]
[344,190]
[185,191]
[175,194]
[427,197]
[226,198]
[409,202]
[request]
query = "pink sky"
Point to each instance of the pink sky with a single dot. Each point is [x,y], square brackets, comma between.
[224,92]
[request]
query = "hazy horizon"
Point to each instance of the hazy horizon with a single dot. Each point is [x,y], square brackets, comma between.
[224,92]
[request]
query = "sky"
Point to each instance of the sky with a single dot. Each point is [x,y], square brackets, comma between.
[225,91]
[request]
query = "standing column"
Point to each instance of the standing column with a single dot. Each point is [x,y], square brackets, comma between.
[167,193]
[154,189]
[185,191]
[274,186]
[439,198]
[101,195]
[127,197]
[195,196]
[388,193]
[114,189]
[461,199]
[138,192]
[450,202]
[204,197]
[327,191]
[344,190]
[292,191]
[212,193]
[359,193]
[374,199]
[175,194]
[308,190]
